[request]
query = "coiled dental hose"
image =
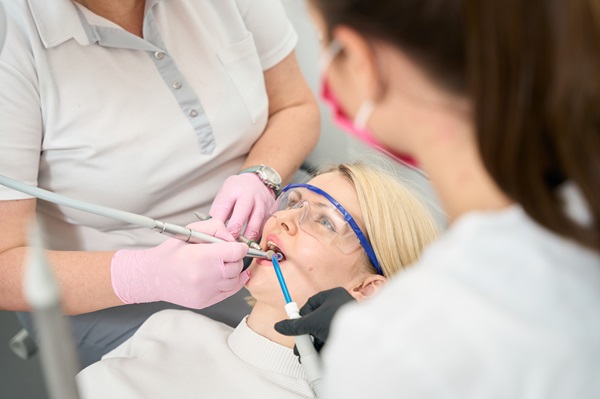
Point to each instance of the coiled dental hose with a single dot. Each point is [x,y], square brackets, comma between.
[308,354]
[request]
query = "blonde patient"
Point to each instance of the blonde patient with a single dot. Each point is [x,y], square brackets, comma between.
[180,354]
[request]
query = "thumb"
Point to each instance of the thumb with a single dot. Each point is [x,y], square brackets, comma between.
[227,252]
[233,285]
[237,251]
[290,327]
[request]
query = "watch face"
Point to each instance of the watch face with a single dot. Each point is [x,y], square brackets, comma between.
[271,175]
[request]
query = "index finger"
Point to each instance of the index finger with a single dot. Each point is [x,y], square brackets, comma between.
[241,211]
[221,208]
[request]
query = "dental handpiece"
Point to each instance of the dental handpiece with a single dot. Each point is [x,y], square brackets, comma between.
[241,238]
[196,237]
[169,229]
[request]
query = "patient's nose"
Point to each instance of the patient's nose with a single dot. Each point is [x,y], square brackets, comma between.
[289,219]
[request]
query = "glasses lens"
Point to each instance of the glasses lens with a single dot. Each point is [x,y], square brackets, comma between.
[319,218]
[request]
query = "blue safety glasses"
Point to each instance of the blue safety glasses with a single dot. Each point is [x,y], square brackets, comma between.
[325,220]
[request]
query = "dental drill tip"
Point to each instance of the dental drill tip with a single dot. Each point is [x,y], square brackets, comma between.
[253,244]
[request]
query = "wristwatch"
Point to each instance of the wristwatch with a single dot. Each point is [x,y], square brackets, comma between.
[268,175]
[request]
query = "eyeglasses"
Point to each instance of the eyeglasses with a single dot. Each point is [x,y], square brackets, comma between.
[325,219]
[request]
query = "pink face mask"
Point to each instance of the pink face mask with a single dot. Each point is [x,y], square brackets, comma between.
[358,127]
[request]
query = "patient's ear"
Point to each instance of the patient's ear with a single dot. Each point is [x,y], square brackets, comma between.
[368,287]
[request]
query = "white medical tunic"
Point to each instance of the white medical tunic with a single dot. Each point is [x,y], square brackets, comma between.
[180,354]
[498,308]
[151,126]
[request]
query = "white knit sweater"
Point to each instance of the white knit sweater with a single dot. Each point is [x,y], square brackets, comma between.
[180,354]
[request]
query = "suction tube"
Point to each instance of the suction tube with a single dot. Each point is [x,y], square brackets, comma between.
[310,358]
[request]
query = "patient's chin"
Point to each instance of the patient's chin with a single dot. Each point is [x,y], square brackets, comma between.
[258,280]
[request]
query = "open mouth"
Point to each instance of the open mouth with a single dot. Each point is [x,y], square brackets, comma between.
[272,246]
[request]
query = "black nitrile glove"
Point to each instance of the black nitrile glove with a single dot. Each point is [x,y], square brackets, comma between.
[317,315]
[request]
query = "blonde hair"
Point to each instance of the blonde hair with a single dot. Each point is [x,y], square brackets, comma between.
[398,225]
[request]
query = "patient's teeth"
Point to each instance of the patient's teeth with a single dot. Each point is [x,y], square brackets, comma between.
[272,246]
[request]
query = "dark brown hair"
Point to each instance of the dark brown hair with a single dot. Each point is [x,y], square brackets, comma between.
[431,31]
[532,71]
[535,79]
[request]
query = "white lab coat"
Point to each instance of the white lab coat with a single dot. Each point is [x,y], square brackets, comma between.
[497,308]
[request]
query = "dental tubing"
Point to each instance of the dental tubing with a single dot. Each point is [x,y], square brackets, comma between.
[169,229]
[308,354]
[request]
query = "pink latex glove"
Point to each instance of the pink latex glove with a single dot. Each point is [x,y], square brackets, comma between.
[243,197]
[190,275]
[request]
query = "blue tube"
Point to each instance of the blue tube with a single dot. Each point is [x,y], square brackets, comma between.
[284,289]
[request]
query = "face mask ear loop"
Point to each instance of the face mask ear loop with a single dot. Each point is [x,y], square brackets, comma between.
[329,54]
[364,113]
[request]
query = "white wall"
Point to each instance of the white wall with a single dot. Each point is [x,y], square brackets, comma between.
[334,144]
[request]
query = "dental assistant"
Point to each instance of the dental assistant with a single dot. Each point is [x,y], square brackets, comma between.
[152,107]
[499,103]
